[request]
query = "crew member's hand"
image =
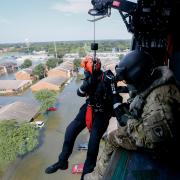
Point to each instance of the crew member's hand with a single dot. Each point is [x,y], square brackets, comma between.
[95,78]
[109,77]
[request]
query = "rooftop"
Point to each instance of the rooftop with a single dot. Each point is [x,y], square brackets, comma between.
[54,80]
[65,66]
[12,84]
[19,111]
[7,64]
[27,70]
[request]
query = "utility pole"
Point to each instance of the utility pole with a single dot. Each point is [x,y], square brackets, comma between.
[27,44]
[55,49]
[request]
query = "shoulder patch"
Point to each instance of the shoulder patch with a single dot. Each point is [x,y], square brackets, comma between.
[158,131]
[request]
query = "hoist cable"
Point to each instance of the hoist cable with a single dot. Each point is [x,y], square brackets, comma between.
[94,38]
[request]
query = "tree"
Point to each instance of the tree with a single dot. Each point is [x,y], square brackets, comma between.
[47,98]
[16,140]
[82,52]
[27,63]
[53,62]
[40,71]
[76,64]
[60,55]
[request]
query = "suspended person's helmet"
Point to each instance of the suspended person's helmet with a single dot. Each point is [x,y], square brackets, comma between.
[87,64]
[135,67]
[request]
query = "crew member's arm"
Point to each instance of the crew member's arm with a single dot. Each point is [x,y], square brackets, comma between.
[118,106]
[83,90]
[89,83]
[119,109]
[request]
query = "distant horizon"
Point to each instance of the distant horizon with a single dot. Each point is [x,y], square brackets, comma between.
[1,43]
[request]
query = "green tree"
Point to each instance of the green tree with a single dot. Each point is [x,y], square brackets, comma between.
[40,71]
[76,64]
[27,63]
[82,52]
[52,63]
[60,54]
[16,140]
[46,98]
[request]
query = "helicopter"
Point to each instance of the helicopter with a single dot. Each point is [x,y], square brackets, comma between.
[153,25]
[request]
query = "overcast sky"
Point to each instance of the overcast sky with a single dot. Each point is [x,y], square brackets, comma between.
[55,20]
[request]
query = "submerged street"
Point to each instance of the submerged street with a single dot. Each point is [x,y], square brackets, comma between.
[32,166]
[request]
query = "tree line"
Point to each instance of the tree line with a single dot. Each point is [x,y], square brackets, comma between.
[64,47]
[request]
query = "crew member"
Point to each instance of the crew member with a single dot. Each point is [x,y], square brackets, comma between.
[151,122]
[96,108]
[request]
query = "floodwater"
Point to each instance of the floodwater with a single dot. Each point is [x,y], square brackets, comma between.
[32,166]
[8,77]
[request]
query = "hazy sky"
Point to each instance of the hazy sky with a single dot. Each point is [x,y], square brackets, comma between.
[59,20]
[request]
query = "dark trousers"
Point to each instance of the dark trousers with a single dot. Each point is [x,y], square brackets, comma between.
[100,123]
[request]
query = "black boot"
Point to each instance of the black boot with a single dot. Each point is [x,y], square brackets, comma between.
[59,165]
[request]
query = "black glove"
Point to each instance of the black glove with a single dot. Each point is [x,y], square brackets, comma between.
[89,83]
[109,77]
[109,80]
[119,109]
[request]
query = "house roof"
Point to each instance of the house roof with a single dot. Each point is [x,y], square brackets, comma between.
[12,84]
[54,80]
[51,83]
[28,70]
[65,66]
[8,64]
[19,111]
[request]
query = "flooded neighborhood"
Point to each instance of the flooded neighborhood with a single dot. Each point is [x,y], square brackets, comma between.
[89,90]
[17,101]
[33,165]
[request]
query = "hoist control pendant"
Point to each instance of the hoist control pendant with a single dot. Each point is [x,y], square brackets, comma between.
[94,46]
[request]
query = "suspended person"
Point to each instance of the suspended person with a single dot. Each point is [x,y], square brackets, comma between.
[95,114]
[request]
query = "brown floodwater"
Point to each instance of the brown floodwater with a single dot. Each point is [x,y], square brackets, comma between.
[32,166]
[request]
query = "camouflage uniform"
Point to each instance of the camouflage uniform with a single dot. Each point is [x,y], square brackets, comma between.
[154,124]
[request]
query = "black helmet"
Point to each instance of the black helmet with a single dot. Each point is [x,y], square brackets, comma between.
[135,67]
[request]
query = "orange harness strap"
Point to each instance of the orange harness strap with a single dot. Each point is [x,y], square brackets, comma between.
[89,117]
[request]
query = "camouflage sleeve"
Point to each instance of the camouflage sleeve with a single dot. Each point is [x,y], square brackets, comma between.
[121,138]
[157,125]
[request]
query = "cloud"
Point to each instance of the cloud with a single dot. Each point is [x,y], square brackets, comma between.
[4,20]
[73,6]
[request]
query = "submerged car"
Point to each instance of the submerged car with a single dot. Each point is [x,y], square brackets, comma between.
[83,146]
[38,124]
[78,168]
[52,109]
